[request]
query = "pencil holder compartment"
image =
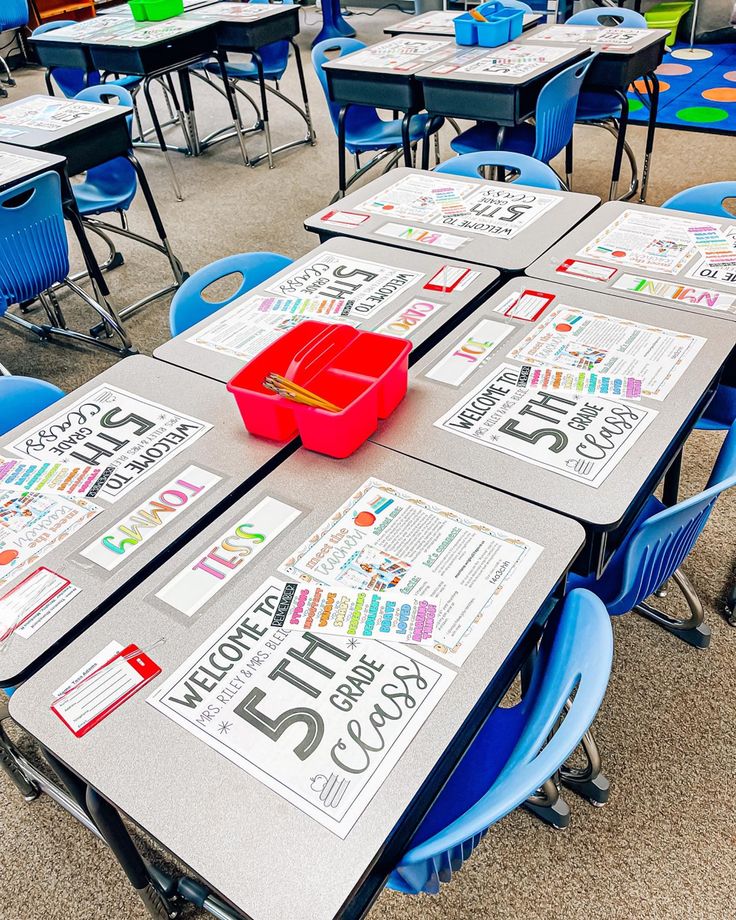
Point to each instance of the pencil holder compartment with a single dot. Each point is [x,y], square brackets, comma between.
[364,373]
[515,20]
[493,32]
[466,31]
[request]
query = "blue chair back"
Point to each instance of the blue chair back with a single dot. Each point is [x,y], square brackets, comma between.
[102,93]
[34,254]
[188,306]
[23,397]
[556,108]
[70,80]
[275,56]
[516,5]
[13,14]
[601,16]
[360,119]
[530,172]
[705,199]
[575,655]
[662,542]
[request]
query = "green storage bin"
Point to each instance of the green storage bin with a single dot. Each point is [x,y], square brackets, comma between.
[155,10]
[667,16]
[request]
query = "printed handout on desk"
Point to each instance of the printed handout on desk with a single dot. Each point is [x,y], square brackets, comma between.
[610,346]
[613,37]
[387,539]
[644,240]
[32,602]
[146,33]
[13,165]
[718,255]
[237,11]
[321,722]
[513,60]
[363,287]
[579,438]
[490,210]
[401,54]
[33,523]
[429,22]
[110,426]
[48,114]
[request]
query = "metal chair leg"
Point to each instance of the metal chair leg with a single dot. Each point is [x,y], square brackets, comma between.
[9,762]
[691,630]
[549,806]
[587,781]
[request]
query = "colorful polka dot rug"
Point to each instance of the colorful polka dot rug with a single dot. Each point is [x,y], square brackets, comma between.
[697,90]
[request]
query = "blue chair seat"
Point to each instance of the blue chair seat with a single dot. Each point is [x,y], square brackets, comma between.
[608,586]
[127,82]
[106,188]
[246,70]
[380,135]
[483,136]
[594,106]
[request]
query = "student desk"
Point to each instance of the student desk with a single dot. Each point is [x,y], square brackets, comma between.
[440,22]
[648,254]
[619,480]
[513,223]
[385,76]
[85,137]
[386,287]
[150,50]
[227,462]
[220,820]
[471,83]
[623,56]
[17,164]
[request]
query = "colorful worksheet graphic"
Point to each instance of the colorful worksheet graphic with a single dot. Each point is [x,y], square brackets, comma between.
[513,60]
[578,437]
[645,240]
[361,286]
[489,210]
[109,426]
[611,346]
[717,250]
[611,37]
[387,539]
[402,54]
[33,523]
[295,710]
[44,113]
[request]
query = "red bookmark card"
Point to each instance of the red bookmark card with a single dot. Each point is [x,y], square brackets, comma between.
[92,699]
[530,305]
[588,270]
[346,218]
[450,278]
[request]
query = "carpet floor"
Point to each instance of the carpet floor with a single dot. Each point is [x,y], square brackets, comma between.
[663,848]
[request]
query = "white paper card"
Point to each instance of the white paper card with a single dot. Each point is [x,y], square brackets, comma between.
[470,352]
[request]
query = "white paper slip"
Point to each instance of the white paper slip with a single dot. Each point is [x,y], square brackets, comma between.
[423,236]
[469,353]
[388,616]
[33,595]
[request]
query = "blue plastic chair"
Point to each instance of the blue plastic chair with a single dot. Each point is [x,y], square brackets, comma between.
[554,118]
[599,107]
[513,755]
[71,80]
[656,545]
[530,171]
[365,130]
[709,199]
[189,307]
[13,15]
[34,256]
[516,5]
[23,397]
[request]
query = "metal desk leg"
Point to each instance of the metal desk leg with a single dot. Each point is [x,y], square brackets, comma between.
[671,486]
[652,84]
[620,140]
[189,115]
[160,137]
[264,106]
[303,85]
[118,839]
[230,95]
[342,181]
[406,137]
[156,217]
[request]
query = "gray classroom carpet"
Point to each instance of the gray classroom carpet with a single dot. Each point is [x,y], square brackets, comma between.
[663,848]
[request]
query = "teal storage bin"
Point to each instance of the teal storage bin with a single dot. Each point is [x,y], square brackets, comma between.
[515,19]
[466,31]
[493,33]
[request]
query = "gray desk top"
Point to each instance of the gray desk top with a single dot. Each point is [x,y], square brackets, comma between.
[214,816]
[225,451]
[64,117]
[18,164]
[404,306]
[639,271]
[440,22]
[512,239]
[403,54]
[411,429]
[514,64]
[124,31]
[617,40]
